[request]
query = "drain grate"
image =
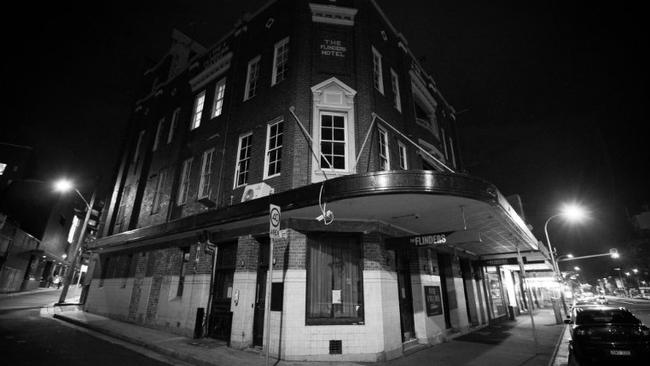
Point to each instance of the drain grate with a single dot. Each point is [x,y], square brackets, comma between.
[336,347]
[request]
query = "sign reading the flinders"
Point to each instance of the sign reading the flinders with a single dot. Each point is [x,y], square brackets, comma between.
[429,239]
[332,47]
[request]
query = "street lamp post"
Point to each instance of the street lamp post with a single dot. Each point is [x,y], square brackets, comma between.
[63,186]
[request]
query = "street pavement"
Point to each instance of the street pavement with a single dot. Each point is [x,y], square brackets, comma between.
[508,343]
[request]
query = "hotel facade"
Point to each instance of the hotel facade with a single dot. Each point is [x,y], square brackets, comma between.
[320,109]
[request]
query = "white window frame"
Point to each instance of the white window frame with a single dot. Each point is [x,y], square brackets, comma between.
[172,125]
[197,111]
[384,151]
[378,76]
[397,100]
[156,138]
[270,149]
[403,156]
[136,153]
[281,49]
[241,159]
[157,194]
[345,139]
[206,172]
[252,77]
[219,93]
[183,187]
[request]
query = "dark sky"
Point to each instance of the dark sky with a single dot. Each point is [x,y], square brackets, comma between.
[552,95]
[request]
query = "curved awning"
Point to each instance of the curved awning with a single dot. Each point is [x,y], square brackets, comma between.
[416,202]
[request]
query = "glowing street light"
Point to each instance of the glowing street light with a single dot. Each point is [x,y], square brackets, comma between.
[576,268]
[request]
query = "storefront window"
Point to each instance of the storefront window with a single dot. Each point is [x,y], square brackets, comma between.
[496,293]
[334,280]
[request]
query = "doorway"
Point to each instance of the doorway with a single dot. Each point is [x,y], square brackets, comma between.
[220,324]
[405,295]
[260,294]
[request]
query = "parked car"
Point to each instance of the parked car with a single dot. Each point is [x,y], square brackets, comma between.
[602,300]
[609,334]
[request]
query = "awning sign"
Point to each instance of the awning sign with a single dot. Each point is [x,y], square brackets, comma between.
[501,261]
[429,239]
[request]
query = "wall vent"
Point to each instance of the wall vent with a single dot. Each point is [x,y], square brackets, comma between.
[336,347]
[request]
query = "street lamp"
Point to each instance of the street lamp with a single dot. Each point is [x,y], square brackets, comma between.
[576,268]
[64,185]
[572,213]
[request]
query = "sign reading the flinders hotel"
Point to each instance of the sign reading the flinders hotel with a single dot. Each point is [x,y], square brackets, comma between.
[333,48]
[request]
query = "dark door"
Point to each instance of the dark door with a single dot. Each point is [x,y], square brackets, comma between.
[220,315]
[260,296]
[405,296]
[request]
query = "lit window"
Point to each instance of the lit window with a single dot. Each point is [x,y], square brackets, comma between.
[243,159]
[334,280]
[73,229]
[280,61]
[183,188]
[206,171]
[403,158]
[156,139]
[198,110]
[397,102]
[377,73]
[273,160]
[3,166]
[172,125]
[252,74]
[332,141]
[185,260]
[158,192]
[384,159]
[219,92]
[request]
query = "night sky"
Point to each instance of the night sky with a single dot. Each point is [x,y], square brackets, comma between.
[551,96]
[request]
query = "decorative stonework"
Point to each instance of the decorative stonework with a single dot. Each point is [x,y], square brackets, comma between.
[332,14]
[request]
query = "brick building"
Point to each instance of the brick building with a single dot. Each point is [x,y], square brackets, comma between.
[321,109]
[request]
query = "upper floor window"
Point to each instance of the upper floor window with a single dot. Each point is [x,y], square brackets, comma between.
[425,107]
[243,159]
[273,157]
[403,157]
[158,192]
[397,102]
[217,105]
[3,166]
[378,78]
[206,171]
[184,185]
[384,159]
[120,221]
[156,138]
[332,140]
[280,61]
[252,74]
[198,109]
[172,125]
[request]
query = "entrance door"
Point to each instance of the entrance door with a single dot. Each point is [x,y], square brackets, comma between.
[220,324]
[260,296]
[405,297]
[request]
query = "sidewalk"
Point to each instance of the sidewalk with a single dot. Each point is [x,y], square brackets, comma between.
[508,343]
[5,295]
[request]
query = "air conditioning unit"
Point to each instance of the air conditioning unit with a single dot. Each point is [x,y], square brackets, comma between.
[257,190]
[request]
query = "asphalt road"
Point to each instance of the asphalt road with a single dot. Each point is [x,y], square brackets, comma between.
[29,336]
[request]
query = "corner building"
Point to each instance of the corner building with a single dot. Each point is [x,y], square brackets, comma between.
[321,109]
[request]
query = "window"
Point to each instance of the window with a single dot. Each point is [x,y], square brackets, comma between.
[137,147]
[219,92]
[273,157]
[3,166]
[183,188]
[252,74]
[206,171]
[198,109]
[243,159]
[156,138]
[403,159]
[397,102]
[377,73]
[424,107]
[332,141]
[384,159]
[127,269]
[334,280]
[280,61]
[158,192]
[121,211]
[172,125]
[185,259]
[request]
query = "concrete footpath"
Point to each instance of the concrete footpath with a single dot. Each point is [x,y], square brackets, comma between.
[507,343]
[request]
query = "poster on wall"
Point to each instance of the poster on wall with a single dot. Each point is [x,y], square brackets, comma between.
[433,299]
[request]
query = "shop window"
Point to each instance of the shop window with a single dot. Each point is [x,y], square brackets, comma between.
[334,280]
